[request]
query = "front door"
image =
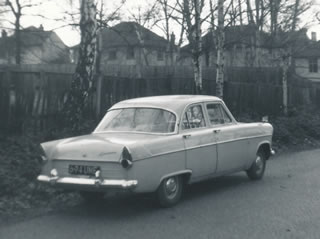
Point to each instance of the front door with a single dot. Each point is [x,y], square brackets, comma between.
[200,144]
[230,146]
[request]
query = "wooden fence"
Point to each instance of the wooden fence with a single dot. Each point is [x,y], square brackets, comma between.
[34,94]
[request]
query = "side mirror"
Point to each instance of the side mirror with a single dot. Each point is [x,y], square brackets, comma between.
[265,119]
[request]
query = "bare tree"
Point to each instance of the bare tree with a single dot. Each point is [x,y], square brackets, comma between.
[16,8]
[220,50]
[146,16]
[191,11]
[83,78]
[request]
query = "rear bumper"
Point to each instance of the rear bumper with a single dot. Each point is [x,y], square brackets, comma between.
[91,182]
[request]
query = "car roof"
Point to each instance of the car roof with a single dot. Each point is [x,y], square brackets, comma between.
[175,103]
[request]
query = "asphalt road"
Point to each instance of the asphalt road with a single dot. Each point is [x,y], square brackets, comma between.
[285,204]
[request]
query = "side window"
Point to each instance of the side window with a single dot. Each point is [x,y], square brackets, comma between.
[193,118]
[217,114]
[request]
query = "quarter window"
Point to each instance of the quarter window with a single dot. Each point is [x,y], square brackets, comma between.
[217,114]
[193,118]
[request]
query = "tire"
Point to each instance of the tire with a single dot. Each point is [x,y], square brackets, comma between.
[91,197]
[256,171]
[170,191]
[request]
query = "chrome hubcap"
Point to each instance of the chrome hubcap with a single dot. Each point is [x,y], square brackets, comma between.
[171,186]
[259,164]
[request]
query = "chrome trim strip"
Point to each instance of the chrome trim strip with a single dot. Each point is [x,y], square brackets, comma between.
[243,138]
[125,184]
[204,145]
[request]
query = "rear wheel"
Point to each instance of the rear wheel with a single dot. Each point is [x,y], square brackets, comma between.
[91,196]
[170,191]
[256,171]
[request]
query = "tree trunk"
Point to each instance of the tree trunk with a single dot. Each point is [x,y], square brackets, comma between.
[18,41]
[295,15]
[82,81]
[249,13]
[285,86]
[98,73]
[220,51]
[197,54]
[142,46]
[240,12]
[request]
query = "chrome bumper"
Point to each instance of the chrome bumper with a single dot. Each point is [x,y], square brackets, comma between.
[272,152]
[114,183]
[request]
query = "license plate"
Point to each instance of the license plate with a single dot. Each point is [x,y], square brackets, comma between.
[83,170]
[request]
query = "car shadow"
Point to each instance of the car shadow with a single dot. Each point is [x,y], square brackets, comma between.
[215,186]
[125,206]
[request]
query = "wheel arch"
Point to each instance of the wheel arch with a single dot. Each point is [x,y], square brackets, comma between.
[186,174]
[265,147]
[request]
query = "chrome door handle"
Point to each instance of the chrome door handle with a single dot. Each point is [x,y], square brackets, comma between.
[186,136]
[216,131]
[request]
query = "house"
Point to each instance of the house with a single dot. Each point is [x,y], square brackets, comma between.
[307,60]
[244,47]
[37,47]
[129,43]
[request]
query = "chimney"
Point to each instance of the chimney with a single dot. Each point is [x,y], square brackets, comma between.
[313,36]
[173,39]
[4,34]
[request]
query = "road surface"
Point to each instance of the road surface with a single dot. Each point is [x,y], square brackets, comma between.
[285,204]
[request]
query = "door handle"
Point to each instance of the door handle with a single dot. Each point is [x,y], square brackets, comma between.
[216,131]
[186,136]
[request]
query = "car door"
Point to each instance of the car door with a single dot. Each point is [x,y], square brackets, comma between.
[231,147]
[200,145]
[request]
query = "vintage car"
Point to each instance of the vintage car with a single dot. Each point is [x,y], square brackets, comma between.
[158,144]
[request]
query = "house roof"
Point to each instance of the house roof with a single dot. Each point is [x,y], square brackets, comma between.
[33,36]
[248,36]
[127,33]
[312,49]
[30,37]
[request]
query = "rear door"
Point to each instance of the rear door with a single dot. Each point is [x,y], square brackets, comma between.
[200,145]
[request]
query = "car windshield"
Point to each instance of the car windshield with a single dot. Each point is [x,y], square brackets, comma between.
[147,120]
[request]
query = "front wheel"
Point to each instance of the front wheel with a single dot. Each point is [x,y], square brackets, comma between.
[256,171]
[170,191]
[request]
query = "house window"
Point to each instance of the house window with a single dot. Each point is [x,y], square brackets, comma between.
[112,55]
[313,64]
[130,53]
[160,56]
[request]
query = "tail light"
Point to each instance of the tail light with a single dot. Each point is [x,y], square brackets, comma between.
[43,156]
[126,160]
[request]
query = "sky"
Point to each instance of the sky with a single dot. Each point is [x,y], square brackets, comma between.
[70,36]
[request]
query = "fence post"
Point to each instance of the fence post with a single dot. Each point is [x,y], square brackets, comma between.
[11,119]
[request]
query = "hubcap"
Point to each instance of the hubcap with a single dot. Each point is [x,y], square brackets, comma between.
[259,164]
[171,186]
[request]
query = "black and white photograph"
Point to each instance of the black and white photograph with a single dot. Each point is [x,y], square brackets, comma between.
[160,119]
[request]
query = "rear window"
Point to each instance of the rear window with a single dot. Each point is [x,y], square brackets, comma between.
[147,120]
